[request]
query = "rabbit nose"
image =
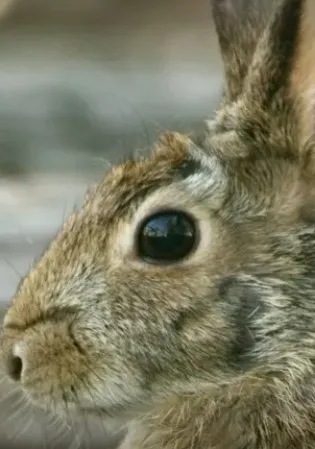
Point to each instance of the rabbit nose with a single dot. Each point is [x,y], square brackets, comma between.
[15,363]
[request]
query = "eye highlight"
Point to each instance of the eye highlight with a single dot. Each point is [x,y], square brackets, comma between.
[166,237]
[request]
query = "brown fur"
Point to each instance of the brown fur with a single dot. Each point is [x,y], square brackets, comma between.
[216,351]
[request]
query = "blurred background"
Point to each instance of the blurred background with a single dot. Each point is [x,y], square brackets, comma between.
[83,82]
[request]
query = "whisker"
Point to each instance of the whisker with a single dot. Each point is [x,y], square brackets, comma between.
[4,379]
[64,212]
[44,436]
[9,394]
[98,413]
[83,415]
[92,370]
[21,406]
[13,268]
[16,399]
[59,432]
[76,444]
[21,416]
[60,426]
[138,114]
[106,164]
[23,430]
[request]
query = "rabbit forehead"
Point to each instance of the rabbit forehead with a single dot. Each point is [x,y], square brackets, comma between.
[175,159]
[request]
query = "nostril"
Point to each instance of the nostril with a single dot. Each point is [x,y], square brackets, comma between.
[14,367]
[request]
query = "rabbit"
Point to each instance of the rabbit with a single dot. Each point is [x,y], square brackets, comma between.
[179,299]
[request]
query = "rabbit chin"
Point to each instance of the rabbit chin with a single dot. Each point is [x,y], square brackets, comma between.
[113,400]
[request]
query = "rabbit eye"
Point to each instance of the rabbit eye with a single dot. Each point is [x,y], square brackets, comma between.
[166,237]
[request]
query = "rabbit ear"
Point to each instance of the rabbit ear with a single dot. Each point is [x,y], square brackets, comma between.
[238,24]
[275,108]
[282,72]
[274,58]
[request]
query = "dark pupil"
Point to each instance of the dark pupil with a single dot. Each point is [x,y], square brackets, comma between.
[167,236]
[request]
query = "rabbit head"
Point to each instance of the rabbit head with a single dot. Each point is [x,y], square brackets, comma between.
[191,267]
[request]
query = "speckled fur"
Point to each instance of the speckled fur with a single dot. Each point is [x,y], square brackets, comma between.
[217,351]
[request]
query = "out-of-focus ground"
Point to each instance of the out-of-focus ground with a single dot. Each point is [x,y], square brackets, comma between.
[82,83]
